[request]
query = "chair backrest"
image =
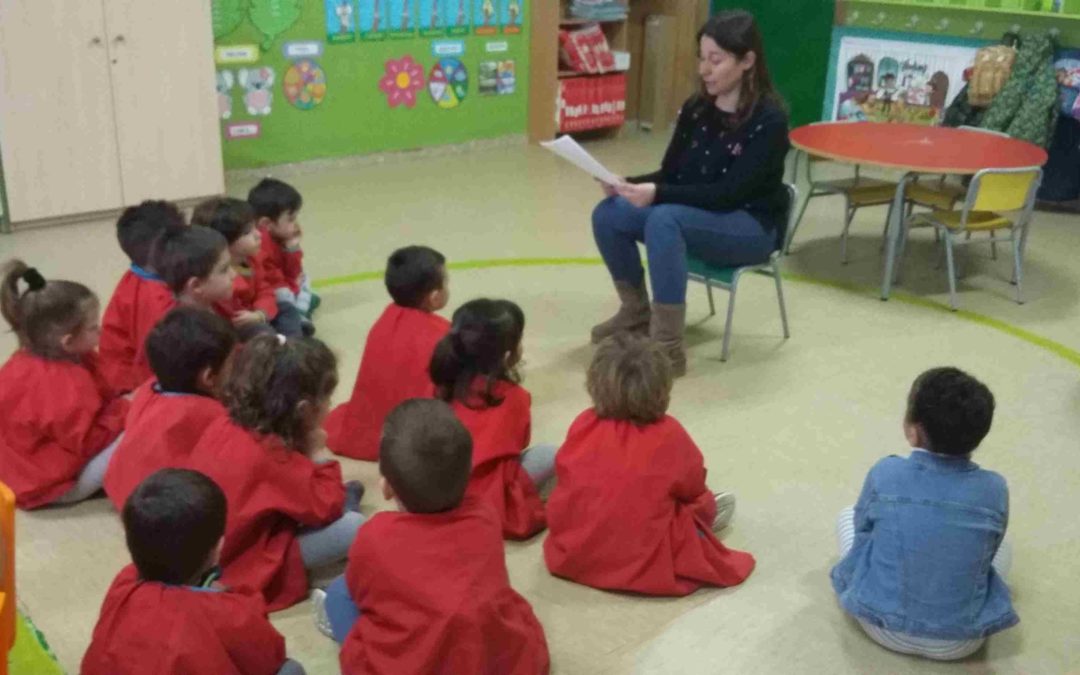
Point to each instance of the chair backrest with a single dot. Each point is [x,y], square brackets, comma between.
[7,574]
[1003,190]
[789,215]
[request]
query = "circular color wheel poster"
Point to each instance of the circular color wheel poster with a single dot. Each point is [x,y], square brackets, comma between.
[304,84]
[448,83]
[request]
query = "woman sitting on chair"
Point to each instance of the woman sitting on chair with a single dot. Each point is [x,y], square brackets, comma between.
[718,195]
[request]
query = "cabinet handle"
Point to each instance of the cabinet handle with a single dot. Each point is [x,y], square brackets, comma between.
[95,41]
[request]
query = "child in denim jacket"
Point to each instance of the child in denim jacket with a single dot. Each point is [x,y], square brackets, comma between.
[923,563]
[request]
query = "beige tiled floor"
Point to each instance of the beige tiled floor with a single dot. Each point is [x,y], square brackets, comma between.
[791,426]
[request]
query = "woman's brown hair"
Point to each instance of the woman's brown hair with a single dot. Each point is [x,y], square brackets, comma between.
[630,379]
[268,380]
[46,311]
[736,32]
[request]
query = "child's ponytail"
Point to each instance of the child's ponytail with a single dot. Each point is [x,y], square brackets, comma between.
[46,311]
[271,376]
[483,335]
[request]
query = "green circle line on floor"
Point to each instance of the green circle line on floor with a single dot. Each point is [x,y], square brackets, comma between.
[1052,346]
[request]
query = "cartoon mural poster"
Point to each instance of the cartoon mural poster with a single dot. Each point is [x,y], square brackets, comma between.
[340,21]
[372,19]
[511,15]
[432,18]
[487,78]
[507,80]
[457,16]
[402,18]
[485,17]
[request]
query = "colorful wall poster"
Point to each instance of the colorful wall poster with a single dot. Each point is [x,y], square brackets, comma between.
[272,18]
[371,19]
[458,15]
[496,78]
[511,16]
[402,18]
[485,17]
[432,18]
[448,83]
[304,84]
[886,80]
[340,21]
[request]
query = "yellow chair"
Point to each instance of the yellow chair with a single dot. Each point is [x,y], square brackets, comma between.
[991,193]
[7,575]
[940,193]
[858,192]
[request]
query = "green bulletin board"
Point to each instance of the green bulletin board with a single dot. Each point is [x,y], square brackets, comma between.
[307,79]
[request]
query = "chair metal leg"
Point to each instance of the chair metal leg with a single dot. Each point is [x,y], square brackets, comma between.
[849,212]
[730,316]
[795,226]
[952,270]
[1018,270]
[712,305]
[993,244]
[780,298]
[901,249]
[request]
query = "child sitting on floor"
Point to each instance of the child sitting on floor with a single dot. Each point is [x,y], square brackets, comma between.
[474,369]
[630,510]
[166,613]
[923,558]
[61,420]
[426,589]
[277,207]
[288,513]
[188,350]
[140,299]
[253,308]
[397,352]
[195,264]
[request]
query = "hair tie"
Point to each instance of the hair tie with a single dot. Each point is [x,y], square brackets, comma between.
[281,339]
[33,279]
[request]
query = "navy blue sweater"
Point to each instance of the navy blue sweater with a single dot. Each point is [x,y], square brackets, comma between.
[710,166]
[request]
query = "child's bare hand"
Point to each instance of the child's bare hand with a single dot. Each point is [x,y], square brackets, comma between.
[315,441]
[246,318]
[294,242]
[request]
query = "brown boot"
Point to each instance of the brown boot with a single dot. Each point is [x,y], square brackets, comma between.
[633,314]
[666,328]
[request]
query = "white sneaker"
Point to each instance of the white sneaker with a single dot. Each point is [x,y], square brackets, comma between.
[725,510]
[322,621]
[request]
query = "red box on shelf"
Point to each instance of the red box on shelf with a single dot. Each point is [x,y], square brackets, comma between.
[586,103]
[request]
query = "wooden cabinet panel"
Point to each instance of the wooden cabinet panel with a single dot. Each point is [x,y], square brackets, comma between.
[56,112]
[163,88]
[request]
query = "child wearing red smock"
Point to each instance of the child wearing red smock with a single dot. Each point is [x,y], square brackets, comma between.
[166,613]
[277,210]
[394,366]
[426,589]
[287,512]
[630,509]
[140,299]
[474,369]
[169,414]
[61,420]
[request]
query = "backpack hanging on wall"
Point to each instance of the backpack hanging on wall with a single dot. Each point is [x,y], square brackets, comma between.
[992,68]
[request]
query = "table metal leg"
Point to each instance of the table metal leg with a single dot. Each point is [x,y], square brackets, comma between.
[896,216]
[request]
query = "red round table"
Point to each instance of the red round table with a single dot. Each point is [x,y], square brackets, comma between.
[913,149]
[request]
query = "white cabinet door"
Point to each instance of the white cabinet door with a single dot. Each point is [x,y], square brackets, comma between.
[165,101]
[57,129]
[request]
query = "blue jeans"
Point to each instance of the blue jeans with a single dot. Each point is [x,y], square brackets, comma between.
[340,609]
[669,232]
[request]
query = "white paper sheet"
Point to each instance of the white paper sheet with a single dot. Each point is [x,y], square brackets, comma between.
[567,148]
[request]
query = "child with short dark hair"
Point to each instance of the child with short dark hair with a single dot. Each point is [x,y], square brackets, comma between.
[923,554]
[253,308]
[630,510]
[474,369]
[188,351]
[399,345]
[195,264]
[166,613]
[439,598]
[277,208]
[62,420]
[140,299]
[287,512]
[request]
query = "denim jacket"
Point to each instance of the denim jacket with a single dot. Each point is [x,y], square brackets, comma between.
[926,529]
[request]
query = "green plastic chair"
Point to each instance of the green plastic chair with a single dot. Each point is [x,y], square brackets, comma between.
[727,278]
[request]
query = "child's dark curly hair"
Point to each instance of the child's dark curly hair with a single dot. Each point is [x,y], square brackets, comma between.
[269,379]
[953,408]
[484,333]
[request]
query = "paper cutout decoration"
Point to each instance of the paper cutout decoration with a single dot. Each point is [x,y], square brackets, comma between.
[340,21]
[496,78]
[402,79]
[432,18]
[226,16]
[257,83]
[402,19]
[304,84]
[273,17]
[511,16]
[225,83]
[448,83]
[458,16]
[485,17]
[372,19]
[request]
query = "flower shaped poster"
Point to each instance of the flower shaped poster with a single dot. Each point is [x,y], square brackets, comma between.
[403,78]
